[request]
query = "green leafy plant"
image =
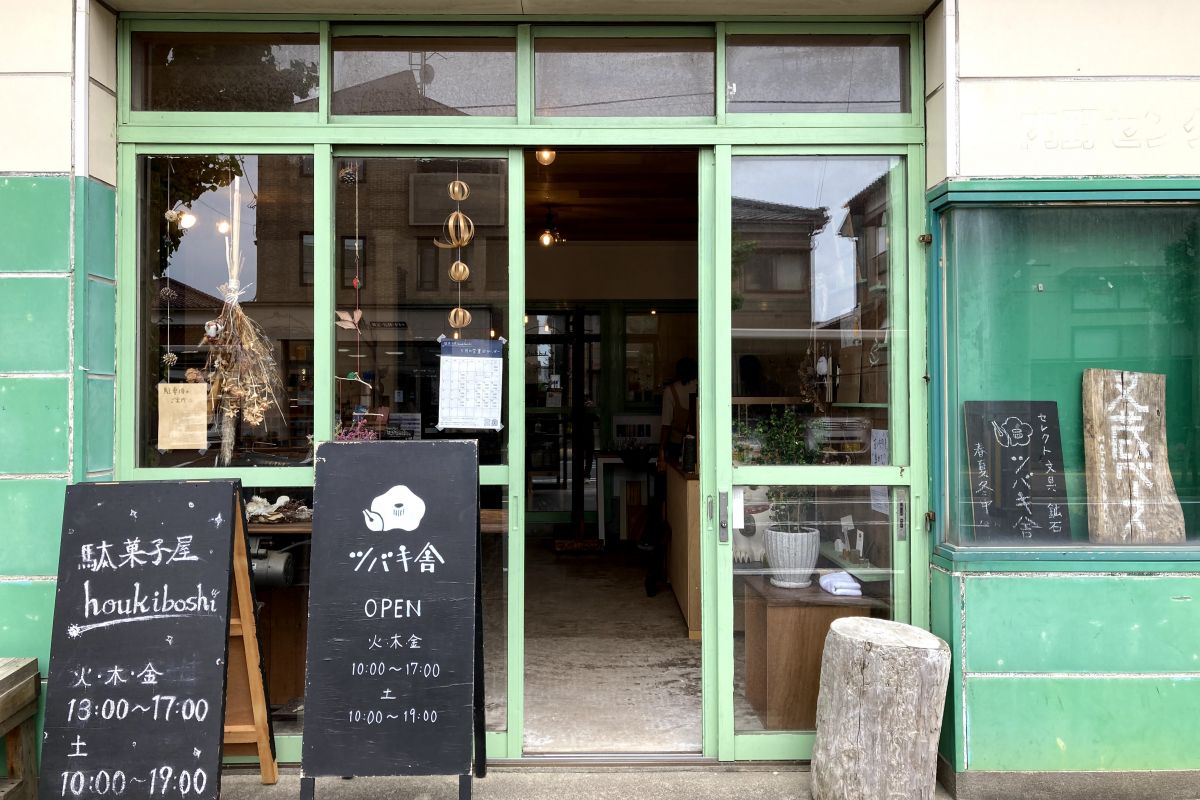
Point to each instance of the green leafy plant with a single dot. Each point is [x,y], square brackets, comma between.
[783,440]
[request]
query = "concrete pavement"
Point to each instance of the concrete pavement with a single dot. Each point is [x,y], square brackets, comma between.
[550,783]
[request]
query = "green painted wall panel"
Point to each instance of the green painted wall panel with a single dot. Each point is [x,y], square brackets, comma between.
[35,224]
[33,324]
[1083,623]
[1062,724]
[101,342]
[33,425]
[100,235]
[26,613]
[944,623]
[32,525]
[99,421]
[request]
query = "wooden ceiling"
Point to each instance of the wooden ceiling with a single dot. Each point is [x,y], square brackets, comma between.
[614,195]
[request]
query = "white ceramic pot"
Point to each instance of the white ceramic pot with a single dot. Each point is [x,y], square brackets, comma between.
[792,552]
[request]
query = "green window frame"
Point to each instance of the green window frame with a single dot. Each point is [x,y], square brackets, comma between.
[325,137]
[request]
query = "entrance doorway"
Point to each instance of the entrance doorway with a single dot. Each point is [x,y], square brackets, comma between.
[612,650]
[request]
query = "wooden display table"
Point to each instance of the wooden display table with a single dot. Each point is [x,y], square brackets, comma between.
[785,637]
[683,559]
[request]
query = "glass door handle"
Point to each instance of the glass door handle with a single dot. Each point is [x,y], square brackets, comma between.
[723,514]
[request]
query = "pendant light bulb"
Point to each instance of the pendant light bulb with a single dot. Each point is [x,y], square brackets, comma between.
[187,219]
[547,238]
[545,156]
[223,227]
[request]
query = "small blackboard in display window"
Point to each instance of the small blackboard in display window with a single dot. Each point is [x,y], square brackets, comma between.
[1017,491]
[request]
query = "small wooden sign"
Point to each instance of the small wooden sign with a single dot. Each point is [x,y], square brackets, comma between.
[182,416]
[392,648]
[1014,472]
[1131,494]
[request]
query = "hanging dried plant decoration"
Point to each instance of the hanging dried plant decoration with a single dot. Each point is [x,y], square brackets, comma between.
[458,190]
[241,357]
[459,317]
[459,272]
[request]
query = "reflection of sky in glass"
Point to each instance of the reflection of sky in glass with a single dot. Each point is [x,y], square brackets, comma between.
[477,83]
[828,183]
[200,260]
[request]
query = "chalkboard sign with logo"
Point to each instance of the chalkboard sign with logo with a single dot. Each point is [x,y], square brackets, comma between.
[1017,491]
[135,702]
[392,648]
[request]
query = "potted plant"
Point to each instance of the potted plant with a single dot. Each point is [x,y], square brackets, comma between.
[792,543]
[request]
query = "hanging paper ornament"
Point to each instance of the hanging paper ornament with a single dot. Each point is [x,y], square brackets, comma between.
[458,231]
[459,272]
[459,317]
[458,190]
[213,328]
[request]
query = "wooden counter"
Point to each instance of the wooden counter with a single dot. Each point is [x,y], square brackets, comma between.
[683,559]
[785,637]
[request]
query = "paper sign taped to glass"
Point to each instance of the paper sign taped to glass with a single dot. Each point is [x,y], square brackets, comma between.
[182,416]
[471,384]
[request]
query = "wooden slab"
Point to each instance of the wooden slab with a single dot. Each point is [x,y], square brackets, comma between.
[1131,494]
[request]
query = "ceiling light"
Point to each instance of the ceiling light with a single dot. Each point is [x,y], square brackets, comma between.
[550,235]
[223,227]
[545,156]
[187,219]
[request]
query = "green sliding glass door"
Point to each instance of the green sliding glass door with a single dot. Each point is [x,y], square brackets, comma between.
[812,377]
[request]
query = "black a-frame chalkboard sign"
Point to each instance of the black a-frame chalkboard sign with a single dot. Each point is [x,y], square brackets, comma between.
[136,695]
[394,668]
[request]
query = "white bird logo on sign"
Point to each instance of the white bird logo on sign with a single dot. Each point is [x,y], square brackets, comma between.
[396,509]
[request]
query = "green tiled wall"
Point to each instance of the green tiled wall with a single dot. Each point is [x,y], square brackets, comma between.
[33,511]
[46,399]
[34,313]
[26,614]
[35,224]
[33,425]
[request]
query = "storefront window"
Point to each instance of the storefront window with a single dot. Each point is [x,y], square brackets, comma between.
[804,556]
[224,71]
[428,77]
[809,74]
[392,219]
[615,77]
[226,322]
[811,273]
[1072,375]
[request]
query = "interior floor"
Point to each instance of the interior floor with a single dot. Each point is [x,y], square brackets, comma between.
[607,668]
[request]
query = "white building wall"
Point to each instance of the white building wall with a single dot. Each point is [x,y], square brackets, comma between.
[1030,88]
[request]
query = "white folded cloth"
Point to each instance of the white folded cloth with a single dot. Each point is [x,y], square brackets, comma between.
[840,583]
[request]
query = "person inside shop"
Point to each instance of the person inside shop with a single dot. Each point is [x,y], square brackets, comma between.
[676,413]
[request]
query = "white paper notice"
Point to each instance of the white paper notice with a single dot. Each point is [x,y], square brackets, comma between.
[471,385]
[182,416]
[880,500]
[737,508]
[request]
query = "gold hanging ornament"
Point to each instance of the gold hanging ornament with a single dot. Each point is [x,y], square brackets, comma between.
[458,190]
[458,231]
[459,272]
[459,317]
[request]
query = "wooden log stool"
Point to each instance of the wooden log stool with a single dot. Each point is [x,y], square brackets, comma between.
[879,711]
[18,725]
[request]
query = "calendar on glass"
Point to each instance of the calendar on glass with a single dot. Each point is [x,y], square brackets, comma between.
[471,385]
